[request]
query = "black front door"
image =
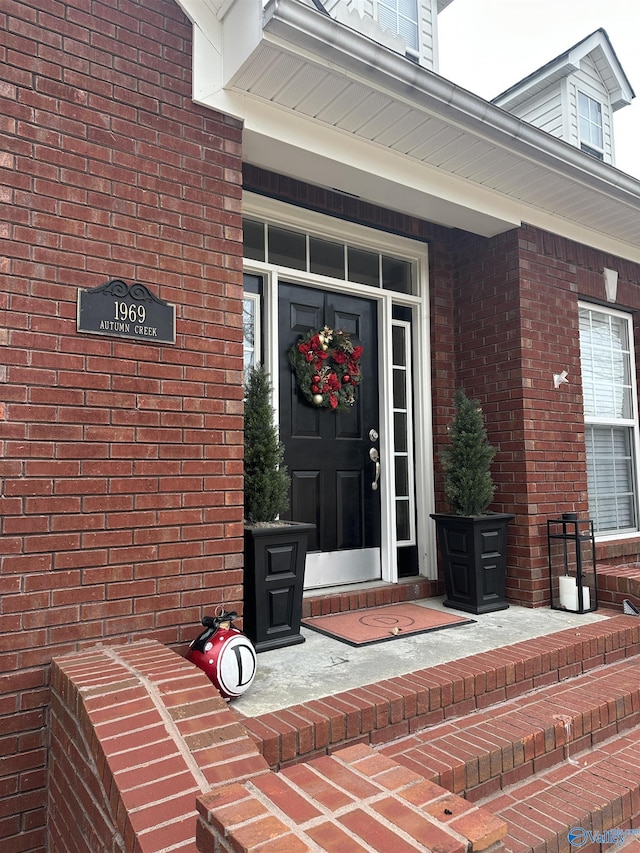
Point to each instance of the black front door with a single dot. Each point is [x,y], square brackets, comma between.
[329,453]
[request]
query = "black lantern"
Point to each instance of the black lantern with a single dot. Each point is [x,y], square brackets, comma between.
[572,563]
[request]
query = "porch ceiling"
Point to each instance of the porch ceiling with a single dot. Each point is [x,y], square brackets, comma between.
[322,103]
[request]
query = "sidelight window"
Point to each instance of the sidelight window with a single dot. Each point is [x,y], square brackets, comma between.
[404,463]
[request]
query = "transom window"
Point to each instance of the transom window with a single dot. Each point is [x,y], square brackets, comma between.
[610,407]
[401,17]
[590,125]
[302,251]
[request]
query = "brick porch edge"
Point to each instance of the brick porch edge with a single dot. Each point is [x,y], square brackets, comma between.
[145,756]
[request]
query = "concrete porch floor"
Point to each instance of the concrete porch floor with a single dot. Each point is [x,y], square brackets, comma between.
[322,666]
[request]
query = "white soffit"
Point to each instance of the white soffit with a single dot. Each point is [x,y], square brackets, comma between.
[323,104]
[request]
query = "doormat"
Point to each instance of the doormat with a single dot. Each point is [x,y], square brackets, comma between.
[379,624]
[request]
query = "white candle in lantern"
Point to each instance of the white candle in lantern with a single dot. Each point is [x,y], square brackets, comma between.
[568,592]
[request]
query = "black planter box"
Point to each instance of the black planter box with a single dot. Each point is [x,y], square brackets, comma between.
[274,562]
[474,557]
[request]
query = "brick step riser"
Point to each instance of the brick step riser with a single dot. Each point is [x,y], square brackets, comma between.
[476,759]
[499,779]
[614,585]
[380,713]
[407,589]
[599,791]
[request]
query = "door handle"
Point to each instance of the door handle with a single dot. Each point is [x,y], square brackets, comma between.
[374,456]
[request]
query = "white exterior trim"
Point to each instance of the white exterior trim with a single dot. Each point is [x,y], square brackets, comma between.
[329,227]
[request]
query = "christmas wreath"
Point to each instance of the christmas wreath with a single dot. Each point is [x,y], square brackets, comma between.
[327,367]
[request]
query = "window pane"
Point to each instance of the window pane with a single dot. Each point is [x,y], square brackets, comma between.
[253,239]
[249,332]
[402,476]
[326,258]
[400,432]
[606,365]
[396,275]
[287,248]
[403,520]
[409,32]
[399,389]
[398,346]
[610,475]
[364,267]
[387,19]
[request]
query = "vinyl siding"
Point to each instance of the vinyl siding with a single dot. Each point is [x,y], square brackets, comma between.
[544,110]
[588,80]
[426,24]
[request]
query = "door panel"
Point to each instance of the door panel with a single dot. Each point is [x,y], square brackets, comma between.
[327,452]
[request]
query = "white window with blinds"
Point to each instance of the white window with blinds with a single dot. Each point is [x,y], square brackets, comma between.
[401,17]
[611,415]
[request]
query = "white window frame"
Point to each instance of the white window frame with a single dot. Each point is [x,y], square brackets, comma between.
[630,423]
[588,144]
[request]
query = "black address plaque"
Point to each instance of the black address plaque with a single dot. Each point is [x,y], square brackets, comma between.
[126,311]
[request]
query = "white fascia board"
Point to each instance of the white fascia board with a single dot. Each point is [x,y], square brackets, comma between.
[532,85]
[597,44]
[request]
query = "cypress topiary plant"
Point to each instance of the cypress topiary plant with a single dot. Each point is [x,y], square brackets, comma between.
[467,461]
[266,479]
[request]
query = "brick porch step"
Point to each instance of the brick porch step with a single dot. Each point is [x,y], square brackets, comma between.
[354,801]
[386,710]
[595,792]
[341,601]
[564,756]
[487,751]
[615,583]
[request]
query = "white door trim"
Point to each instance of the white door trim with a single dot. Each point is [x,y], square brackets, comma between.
[321,225]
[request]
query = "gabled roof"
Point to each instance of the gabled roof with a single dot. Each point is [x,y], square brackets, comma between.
[599,48]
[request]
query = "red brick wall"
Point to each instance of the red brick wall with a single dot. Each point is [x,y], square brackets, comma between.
[120,499]
[574,272]
[516,324]
[137,733]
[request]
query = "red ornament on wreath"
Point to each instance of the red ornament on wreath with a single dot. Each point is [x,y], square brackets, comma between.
[327,368]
